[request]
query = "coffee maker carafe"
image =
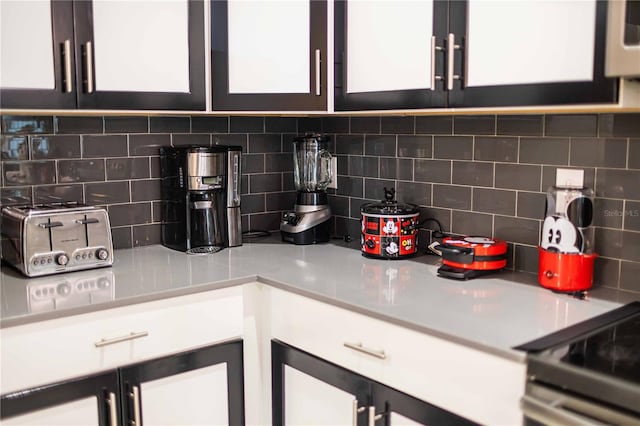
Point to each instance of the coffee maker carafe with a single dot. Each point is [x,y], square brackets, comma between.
[310,220]
[201,198]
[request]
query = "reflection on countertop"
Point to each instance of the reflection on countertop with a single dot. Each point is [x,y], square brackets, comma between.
[493,313]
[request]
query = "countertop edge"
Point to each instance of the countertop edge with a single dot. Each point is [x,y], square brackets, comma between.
[127,301]
[512,355]
[150,297]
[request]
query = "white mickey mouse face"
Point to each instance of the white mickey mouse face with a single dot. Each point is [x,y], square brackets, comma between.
[560,234]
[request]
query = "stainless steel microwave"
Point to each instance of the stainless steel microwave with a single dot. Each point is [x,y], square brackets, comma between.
[623,39]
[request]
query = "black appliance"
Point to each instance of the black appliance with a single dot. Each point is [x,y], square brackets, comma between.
[201,198]
[310,220]
[587,374]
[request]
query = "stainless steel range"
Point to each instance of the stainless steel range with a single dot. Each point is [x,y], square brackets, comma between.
[53,238]
[588,374]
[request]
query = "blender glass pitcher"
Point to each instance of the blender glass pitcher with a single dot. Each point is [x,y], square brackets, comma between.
[311,163]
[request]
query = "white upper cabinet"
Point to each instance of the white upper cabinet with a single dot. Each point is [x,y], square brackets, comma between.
[274,57]
[101,54]
[523,42]
[388,45]
[269,55]
[36,54]
[469,53]
[26,45]
[149,52]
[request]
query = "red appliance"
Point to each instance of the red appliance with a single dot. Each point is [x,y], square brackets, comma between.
[469,257]
[566,255]
[389,228]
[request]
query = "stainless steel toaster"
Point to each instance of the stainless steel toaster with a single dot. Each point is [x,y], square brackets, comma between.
[53,238]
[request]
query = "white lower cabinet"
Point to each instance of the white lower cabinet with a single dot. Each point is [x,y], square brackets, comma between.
[249,354]
[176,361]
[310,391]
[450,377]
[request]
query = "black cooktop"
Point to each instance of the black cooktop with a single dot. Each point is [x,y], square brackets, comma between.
[598,358]
[614,351]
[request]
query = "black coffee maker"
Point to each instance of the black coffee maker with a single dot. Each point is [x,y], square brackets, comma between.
[201,198]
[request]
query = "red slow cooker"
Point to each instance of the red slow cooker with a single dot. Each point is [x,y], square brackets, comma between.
[468,257]
[389,228]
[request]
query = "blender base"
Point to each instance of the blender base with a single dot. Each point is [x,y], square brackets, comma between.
[319,233]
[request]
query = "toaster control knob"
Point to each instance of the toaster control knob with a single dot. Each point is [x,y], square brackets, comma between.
[62,259]
[102,254]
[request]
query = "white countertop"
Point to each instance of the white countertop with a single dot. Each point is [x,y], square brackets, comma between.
[493,314]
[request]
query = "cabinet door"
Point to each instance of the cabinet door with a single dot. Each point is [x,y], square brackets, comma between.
[36,54]
[86,401]
[141,54]
[529,53]
[203,386]
[269,55]
[388,54]
[401,409]
[309,391]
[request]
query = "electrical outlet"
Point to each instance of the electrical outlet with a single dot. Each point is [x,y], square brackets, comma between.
[334,173]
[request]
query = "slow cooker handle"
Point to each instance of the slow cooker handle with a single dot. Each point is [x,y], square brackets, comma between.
[455,254]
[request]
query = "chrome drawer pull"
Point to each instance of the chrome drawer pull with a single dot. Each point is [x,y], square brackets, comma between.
[355,411]
[67,79]
[130,336]
[113,414]
[358,347]
[135,397]
[373,417]
[318,93]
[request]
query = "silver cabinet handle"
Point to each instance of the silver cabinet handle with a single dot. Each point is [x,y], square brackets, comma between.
[66,52]
[113,413]
[434,77]
[355,411]
[451,48]
[130,336]
[373,417]
[318,72]
[358,347]
[88,50]
[135,397]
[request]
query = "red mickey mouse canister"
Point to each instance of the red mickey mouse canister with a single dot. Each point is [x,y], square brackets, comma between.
[566,252]
[389,228]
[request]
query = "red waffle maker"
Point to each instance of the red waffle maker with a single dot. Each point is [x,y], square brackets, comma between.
[469,257]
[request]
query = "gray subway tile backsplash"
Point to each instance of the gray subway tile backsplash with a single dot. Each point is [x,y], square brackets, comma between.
[169,124]
[520,125]
[55,146]
[614,183]
[126,124]
[488,179]
[594,152]
[100,146]
[79,125]
[472,173]
[103,193]
[571,125]
[380,145]
[496,148]
[518,176]
[434,125]
[58,193]
[453,147]
[553,151]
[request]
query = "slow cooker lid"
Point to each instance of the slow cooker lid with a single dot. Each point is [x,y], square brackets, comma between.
[389,206]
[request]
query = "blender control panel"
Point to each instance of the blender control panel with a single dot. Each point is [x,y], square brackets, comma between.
[291,218]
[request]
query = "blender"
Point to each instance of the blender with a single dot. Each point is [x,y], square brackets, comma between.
[309,222]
